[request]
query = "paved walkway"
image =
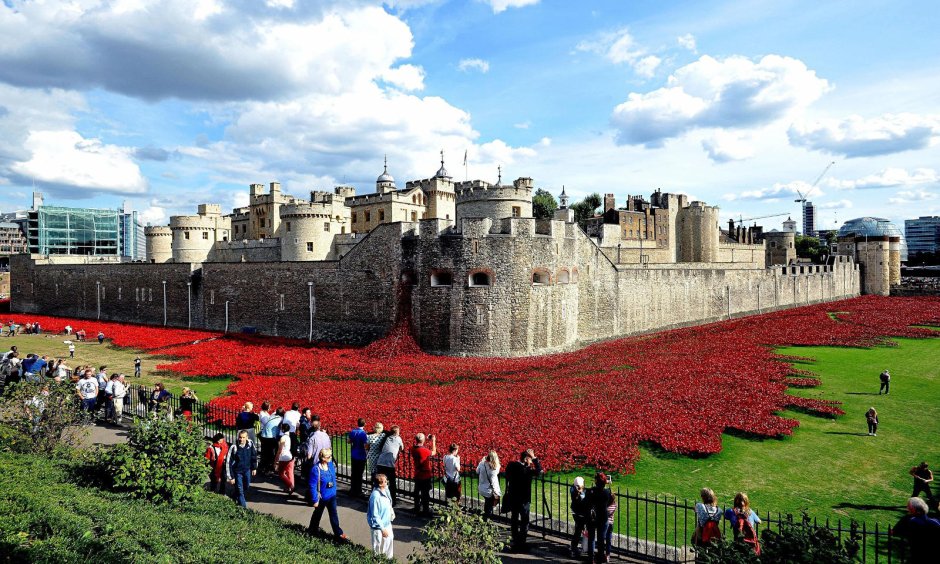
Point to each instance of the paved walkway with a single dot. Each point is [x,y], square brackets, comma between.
[268,497]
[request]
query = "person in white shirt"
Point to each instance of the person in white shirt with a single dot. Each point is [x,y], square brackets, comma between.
[263,415]
[87,389]
[118,393]
[452,489]
[488,469]
[292,418]
[68,329]
[71,350]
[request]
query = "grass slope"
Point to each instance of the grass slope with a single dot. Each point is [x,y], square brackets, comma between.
[46,518]
[830,467]
[117,360]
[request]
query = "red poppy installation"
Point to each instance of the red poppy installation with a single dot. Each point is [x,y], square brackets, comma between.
[590,407]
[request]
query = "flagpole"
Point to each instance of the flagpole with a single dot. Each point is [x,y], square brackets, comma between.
[466,175]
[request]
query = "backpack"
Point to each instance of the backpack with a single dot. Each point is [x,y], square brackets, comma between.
[709,531]
[745,531]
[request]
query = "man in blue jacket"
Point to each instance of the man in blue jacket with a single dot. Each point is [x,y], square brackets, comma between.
[358,438]
[380,516]
[240,465]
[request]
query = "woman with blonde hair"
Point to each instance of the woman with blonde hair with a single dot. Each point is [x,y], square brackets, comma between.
[488,470]
[872,417]
[707,516]
[188,403]
[246,420]
[744,521]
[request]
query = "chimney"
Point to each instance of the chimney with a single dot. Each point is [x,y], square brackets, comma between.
[609,202]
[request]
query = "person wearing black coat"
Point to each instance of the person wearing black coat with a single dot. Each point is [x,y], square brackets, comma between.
[579,510]
[600,498]
[519,476]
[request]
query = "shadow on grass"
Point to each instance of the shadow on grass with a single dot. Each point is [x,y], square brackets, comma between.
[862,393]
[754,437]
[846,433]
[660,453]
[869,507]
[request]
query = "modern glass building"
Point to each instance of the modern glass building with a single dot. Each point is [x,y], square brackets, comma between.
[809,219]
[133,242]
[922,234]
[53,230]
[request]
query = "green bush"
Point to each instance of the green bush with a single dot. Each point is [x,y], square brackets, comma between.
[458,537]
[40,418]
[45,518]
[162,461]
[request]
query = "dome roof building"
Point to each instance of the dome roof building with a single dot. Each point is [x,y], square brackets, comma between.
[869,227]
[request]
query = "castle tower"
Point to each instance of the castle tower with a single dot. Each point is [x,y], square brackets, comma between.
[780,247]
[385,183]
[875,243]
[698,226]
[481,199]
[442,201]
[194,235]
[159,243]
[307,229]
[564,213]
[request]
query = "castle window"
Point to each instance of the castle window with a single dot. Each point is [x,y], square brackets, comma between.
[211,297]
[574,275]
[280,303]
[119,292]
[773,244]
[381,215]
[442,278]
[414,216]
[309,247]
[224,239]
[368,217]
[563,276]
[447,216]
[136,294]
[516,211]
[480,316]
[541,278]
[186,234]
[288,227]
[480,278]
[149,294]
[326,225]
[205,235]
[261,222]
[354,217]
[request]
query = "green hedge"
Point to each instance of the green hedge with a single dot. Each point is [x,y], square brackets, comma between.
[46,517]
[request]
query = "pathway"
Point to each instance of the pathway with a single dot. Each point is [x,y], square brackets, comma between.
[267,497]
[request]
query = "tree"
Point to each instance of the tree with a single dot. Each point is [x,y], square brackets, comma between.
[38,417]
[543,204]
[457,537]
[586,208]
[811,248]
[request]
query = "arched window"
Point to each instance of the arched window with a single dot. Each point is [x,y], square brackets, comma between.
[480,278]
[563,276]
[541,277]
[442,278]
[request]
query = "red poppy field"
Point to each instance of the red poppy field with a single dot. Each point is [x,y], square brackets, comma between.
[592,407]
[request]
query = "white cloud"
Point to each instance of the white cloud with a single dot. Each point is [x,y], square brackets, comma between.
[503,5]
[154,215]
[687,41]
[734,92]
[856,136]
[406,77]
[785,191]
[65,158]
[620,47]
[887,178]
[725,146]
[213,51]
[545,141]
[466,65]
[837,205]
[522,125]
[912,196]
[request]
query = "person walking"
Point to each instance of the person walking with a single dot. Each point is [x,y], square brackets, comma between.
[323,493]
[922,478]
[885,382]
[423,473]
[71,349]
[391,448]
[136,366]
[358,438]
[216,454]
[285,460]
[118,393]
[599,499]
[317,441]
[374,448]
[100,337]
[379,516]
[241,465]
[871,416]
[488,484]
[519,476]
[452,489]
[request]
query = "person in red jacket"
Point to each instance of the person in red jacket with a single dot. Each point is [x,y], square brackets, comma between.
[215,454]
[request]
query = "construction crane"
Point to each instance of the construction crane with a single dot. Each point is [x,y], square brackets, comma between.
[741,220]
[802,199]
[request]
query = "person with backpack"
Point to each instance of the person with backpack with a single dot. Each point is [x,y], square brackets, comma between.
[241,464]
[871,416]
[323,494]
[707,517]
[744,521]
[885,382]
[216,454]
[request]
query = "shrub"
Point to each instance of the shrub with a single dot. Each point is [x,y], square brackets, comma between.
[456,537]
[40,418]
[162,461]
[803,542]
[45,518]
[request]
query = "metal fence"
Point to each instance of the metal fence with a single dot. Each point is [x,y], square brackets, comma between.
[646,527]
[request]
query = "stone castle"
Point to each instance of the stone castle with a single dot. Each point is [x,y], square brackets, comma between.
[464,262]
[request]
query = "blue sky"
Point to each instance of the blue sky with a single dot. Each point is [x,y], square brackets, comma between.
[168,104]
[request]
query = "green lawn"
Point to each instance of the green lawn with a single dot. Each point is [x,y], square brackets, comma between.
[117,360]
[830,467]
